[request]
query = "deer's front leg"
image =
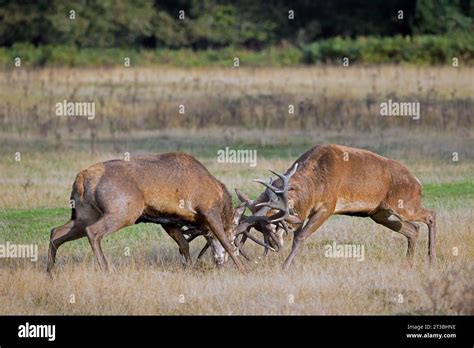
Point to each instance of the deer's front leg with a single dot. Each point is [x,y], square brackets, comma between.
[301,234]
[176,233]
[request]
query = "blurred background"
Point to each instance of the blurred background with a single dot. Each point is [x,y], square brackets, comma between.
[212,32]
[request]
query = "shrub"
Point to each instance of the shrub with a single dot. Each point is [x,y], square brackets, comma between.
[420,50]
[426,49]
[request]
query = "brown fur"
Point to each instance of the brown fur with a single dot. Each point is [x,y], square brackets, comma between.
[365,184]
[172,189]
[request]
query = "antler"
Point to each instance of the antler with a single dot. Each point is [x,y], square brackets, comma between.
[277,200]
[279,196]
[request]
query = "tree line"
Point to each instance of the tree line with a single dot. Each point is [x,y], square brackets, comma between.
[212,24]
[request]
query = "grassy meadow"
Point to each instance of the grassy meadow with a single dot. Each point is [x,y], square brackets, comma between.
[137,111]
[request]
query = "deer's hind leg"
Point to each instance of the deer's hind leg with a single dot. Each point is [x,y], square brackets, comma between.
[410,230]
[82,216]
[72,230]
[107,224]
[117,210]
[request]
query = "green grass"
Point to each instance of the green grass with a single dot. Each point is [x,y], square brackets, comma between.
[34,226]
[463,189]
[37,214]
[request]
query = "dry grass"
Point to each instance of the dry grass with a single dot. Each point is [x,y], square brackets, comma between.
[138,115]
[337,81]
[324,98]
[44,176]
[151,281]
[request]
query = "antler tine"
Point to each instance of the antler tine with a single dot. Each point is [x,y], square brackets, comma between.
[281,218]
[250,203]
[269,204]
[283,225]
[289,175]
[285,178]
[281,176]
[242,227]
[275,240]
[273,197]
[269,186]
[208,244]
[265,245]
[244,254]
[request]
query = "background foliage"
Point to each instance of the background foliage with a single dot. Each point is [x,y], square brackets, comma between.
[321,31]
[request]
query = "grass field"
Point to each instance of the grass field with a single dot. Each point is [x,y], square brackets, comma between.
[151,280]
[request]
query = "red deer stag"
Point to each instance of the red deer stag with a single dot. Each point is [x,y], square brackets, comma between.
[172,189]
[335,179]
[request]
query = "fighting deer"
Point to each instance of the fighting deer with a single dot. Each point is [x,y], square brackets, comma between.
[171,189]
[335,179]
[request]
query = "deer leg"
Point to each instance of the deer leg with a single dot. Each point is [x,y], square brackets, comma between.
[107,224]
[301,234]
[215,224]
[204,249]
[431,222]
[59,235]
[176,233]
[408,229]
[429,218]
